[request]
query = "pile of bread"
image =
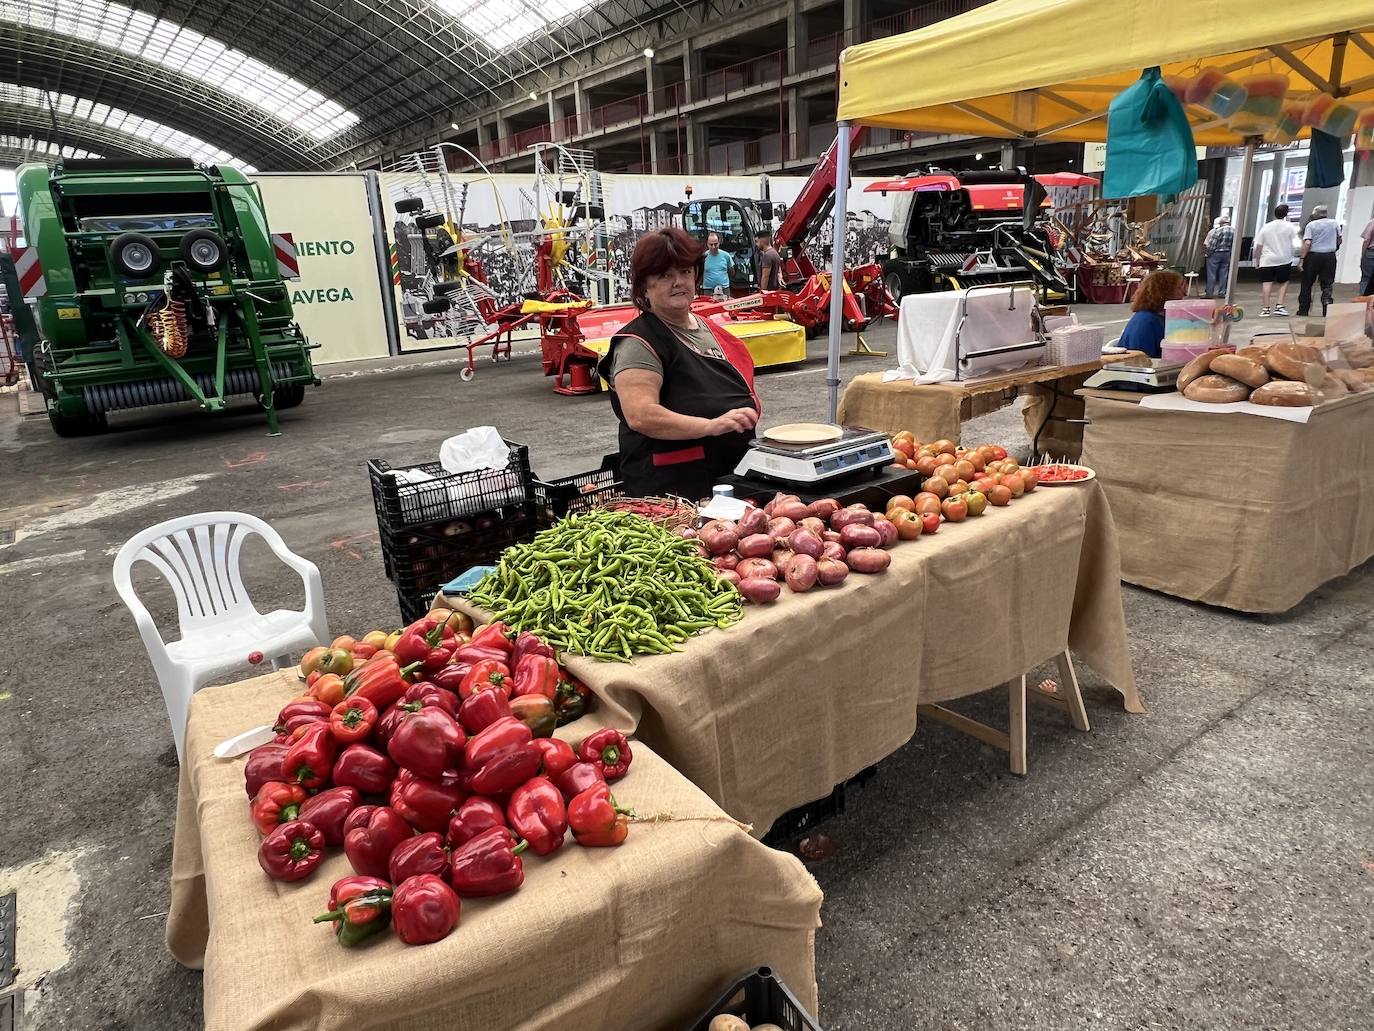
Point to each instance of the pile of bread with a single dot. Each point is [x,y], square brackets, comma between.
[1291,374]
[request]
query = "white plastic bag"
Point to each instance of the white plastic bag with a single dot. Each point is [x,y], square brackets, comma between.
[479,448]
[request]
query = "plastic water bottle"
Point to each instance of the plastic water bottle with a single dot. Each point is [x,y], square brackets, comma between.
[719,295]
[723,490]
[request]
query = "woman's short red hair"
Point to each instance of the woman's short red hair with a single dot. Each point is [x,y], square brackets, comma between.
[658,252]
[1157,288]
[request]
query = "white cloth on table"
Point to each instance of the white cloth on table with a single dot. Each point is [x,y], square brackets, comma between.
[928,330]
[1176,402]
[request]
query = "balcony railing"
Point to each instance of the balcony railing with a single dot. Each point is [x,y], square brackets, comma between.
[723,84]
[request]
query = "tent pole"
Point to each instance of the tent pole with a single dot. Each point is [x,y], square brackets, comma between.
[1238,218]
[841,208]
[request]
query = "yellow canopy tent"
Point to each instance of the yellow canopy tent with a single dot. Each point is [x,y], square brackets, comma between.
[1047,69]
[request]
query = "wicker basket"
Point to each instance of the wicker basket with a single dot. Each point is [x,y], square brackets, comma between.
[1073,345]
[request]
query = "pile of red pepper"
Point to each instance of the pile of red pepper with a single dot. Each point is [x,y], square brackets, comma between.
[435,770]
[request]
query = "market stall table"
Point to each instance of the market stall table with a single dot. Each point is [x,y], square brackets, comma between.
[935,411]
[642,936]
[1235,510]
[803,694]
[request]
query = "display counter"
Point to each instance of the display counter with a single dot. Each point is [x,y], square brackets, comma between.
[804,693]
[933,411]
[1235,510]
[644,935]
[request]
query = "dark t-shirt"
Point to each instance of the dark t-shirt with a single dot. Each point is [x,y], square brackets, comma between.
[770,259]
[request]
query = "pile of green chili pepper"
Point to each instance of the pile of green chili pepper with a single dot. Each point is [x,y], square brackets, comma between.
[609,585]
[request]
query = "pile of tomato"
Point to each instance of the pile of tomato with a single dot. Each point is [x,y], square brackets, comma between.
[1060,473]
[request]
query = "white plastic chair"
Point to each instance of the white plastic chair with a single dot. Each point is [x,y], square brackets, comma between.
[198,555]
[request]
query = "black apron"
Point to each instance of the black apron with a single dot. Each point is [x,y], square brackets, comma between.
[693,384]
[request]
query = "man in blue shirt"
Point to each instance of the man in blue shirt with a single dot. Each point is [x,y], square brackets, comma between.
[1320,242]
[717,267]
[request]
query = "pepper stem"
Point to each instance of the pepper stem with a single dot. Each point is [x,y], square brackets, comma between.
[408,670]
[610,755]
[333,914]
[520,848]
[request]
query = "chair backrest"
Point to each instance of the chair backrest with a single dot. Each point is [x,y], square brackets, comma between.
[198,556]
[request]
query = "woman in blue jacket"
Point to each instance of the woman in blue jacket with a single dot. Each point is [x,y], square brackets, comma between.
[1145,331]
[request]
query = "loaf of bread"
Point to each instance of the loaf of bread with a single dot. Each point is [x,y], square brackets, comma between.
[1293,361]
[1247,370]
[1199,366]
[1352,378]
[1217,390]
[1285,394]
[1253,351]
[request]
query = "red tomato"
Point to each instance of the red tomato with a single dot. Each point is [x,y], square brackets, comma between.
[946,458]
[965,469]
[955,509]
[1028,479]
[909,524]
[903,448]
[999,496]
[944,446]
[900,501]
[927,502]
[998,451]
[1013,483]
[975,459]
[930,521]
[949,473]
[977,503]
[925,465]
[984,484]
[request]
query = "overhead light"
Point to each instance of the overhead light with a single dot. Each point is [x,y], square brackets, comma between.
[453,125]
[977,157]
[534,95]
[648,51]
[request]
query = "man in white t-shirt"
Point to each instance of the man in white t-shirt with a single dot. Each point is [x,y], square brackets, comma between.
[1275,246]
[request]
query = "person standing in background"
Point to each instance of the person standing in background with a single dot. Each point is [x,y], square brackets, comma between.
[1276,244]
[770,263]
[1217,248]
[1320,242]
[1367,259]
[717,267]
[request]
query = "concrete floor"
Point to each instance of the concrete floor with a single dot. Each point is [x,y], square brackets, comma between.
[1208,865]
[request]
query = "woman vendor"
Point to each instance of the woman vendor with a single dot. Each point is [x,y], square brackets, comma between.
[682,387]
[1145,331]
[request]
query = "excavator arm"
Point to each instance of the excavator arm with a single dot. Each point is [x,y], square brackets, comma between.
[813,204]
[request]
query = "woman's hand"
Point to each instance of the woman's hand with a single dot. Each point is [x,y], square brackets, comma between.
[736,420]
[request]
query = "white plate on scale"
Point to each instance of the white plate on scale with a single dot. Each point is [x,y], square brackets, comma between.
[803,433]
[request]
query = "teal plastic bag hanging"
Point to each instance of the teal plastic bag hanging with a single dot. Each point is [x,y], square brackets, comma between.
[1150,145]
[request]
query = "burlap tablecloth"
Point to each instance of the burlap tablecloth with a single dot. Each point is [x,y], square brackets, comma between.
[804,693]
[932,411]
[1232,510]
[641,936]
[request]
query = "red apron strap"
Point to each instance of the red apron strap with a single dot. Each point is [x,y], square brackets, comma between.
[737,355]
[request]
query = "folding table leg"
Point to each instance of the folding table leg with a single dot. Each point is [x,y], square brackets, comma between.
[1073,697]
[1016,729]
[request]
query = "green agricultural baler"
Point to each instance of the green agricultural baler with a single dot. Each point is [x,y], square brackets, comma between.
[159,283]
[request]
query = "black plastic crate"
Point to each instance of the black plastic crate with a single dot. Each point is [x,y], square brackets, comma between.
[572,494]
[805,817]
[448,497]
[760,997]
[421,560]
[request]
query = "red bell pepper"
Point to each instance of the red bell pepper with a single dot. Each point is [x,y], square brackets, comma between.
[426,694]
[596,820]
[295,726]
[263,766]
[300,707]
[578,777]
[534,711]
[502,757]
[276,803]
[371,834]
[425,642]
[359,907]
[538,814]
[363,652]
[427,743]
[536,674]
[381,681]
[481,710]
[530,644]
[470,655]
[309,760]
[365,768]
[292,851]
[450,678]
[424,853]
[386,726]
[426,804]
[472,818]
[352,720]
[329,809]
[486,675]
[557,756]
[424,910]
[493,635]
[488,864]
[609,751]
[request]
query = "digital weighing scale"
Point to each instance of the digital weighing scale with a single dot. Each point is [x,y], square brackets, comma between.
[856,450]
[1156,378]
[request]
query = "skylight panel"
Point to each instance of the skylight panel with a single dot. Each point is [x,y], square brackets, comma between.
[499,23]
